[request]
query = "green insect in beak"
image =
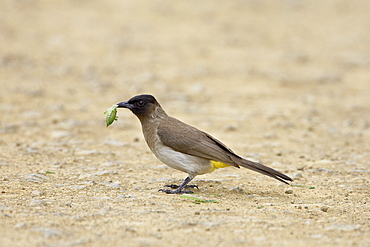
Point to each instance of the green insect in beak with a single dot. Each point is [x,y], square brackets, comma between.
[111,115]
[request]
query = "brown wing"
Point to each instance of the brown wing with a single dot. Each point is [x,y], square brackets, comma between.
[189,140]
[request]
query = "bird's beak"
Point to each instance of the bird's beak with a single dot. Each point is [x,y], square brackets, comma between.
[124,104]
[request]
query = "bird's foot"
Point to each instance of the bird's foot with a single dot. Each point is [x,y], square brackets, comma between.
[175,186]
[176,191]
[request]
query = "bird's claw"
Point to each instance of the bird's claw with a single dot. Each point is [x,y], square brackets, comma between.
[175,186]
[176,191]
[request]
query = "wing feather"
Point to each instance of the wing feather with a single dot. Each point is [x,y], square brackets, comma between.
[189,140]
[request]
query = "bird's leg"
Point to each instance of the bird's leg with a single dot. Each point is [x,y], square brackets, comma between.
[180,187]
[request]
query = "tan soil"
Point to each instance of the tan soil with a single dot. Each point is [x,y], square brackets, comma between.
[283,82]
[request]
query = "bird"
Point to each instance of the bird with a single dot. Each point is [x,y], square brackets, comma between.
[184,147]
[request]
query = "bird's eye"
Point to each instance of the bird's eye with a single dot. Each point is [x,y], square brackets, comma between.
[140,103]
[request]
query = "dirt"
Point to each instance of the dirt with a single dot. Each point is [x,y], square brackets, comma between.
[282,82]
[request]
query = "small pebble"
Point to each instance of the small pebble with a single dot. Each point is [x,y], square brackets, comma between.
[36,178]
[58,134]
[20,225]
[344,227]
[36,193]
[114,185]
[77,187]
[237,189]
[324,208]
[36,202]
[47,232]
[289,192]
[86,152]
[230,128]
[317,236]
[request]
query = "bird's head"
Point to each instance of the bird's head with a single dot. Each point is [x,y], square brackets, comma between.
[142,106]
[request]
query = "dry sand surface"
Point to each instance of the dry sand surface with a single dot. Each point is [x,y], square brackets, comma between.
[283,82]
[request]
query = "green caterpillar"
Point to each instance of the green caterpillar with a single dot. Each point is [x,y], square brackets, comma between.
[111,115]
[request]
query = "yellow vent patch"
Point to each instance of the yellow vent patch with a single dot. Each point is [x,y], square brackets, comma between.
[218,164]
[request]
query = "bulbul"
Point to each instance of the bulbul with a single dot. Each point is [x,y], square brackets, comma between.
[185,147]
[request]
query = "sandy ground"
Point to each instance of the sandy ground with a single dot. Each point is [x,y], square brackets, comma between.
[283,82]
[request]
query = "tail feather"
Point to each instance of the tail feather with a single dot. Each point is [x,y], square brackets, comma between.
[264,170]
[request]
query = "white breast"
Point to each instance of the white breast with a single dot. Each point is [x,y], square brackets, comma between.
[183,162]
[177,160]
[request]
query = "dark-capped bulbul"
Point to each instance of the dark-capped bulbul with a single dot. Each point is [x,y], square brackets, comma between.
[184,147]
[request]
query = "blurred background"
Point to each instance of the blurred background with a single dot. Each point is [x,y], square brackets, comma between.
[62,63]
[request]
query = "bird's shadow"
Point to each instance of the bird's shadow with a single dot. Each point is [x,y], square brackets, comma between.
[215,187]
